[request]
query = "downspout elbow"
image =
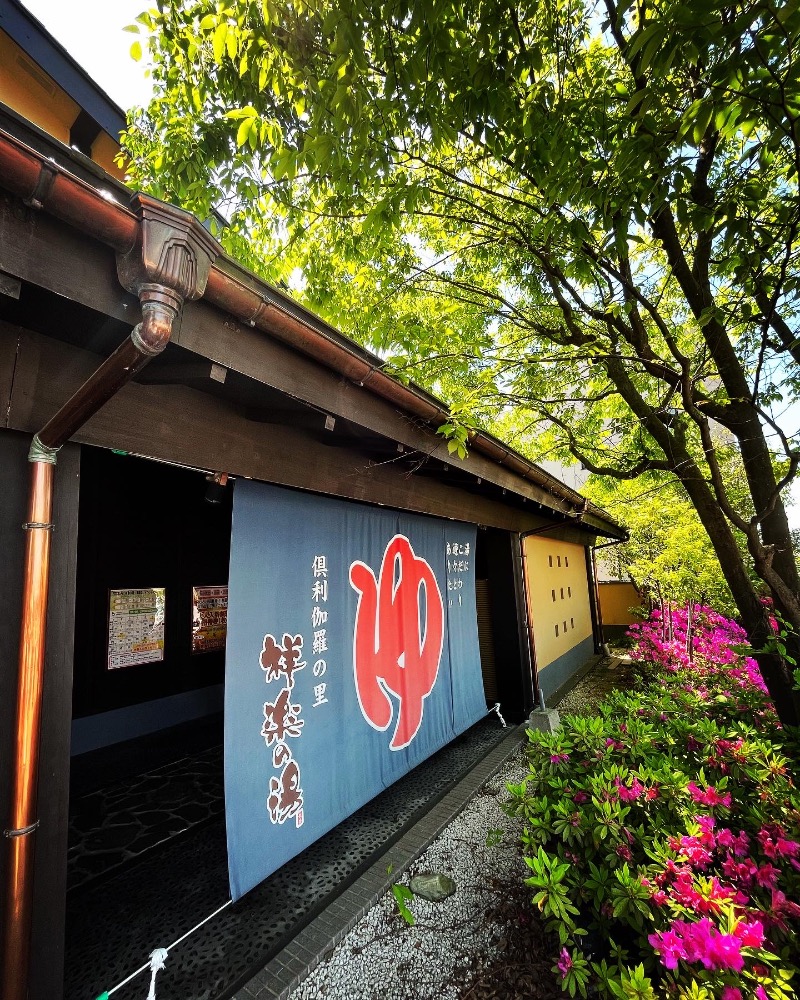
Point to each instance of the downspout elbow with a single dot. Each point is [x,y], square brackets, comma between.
[160,308]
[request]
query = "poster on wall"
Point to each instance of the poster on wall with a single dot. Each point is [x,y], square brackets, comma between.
[135,626]
[209,618]
[352,655]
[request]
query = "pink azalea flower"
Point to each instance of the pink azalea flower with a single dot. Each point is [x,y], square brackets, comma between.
[564,963]
[751,934]
[669,946]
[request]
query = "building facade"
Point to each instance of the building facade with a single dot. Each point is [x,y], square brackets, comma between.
[144,377]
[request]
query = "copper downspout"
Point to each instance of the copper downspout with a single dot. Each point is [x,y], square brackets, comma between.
[23,822]
[149,338]
[165,261]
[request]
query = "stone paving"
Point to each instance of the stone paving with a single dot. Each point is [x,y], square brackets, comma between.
[113,923]
[111,826]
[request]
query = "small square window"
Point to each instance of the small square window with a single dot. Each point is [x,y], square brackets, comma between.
[559,560]
[562,593]
[572,623]
[556,629]
[569,591]
[553,593]
[551,560]
[565,626]
[566,560]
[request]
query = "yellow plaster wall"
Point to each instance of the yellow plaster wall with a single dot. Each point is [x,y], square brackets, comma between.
[104,149]
[25,87]
[28,90]
[553,567]
[615,600]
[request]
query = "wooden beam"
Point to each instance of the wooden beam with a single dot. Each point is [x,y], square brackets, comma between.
[41,250]
[177,373]
[38,248]
[9,285]
[188,427]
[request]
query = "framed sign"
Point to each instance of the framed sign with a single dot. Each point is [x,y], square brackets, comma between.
[209,618]
[135,626]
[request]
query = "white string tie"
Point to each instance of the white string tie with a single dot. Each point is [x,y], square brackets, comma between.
[158,959]
[496,708]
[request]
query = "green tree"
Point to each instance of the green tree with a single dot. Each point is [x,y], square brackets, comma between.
[668,555]
[601,197]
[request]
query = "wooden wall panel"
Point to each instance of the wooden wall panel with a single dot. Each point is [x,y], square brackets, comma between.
[38,248]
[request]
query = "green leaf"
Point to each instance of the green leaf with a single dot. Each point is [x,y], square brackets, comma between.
[218,41]
[243,132]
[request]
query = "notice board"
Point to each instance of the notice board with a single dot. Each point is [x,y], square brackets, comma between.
[352,655]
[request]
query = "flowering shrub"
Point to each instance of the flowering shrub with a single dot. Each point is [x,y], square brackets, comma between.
[663,836]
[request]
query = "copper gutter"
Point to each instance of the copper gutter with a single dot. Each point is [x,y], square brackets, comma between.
[43,184]
[230,287]
[165,259]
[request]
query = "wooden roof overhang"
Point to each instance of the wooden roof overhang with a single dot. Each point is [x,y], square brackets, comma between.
[252,383]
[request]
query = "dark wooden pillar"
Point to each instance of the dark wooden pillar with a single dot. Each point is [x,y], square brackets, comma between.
[47,966]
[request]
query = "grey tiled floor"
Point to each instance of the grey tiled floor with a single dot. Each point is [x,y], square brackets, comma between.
[111,826]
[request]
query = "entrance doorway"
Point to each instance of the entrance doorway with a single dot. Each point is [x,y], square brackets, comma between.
[148,691]
[501,632]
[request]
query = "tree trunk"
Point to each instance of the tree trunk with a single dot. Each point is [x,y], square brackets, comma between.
[754,616]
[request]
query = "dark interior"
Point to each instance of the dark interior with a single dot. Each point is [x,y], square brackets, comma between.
[145,524]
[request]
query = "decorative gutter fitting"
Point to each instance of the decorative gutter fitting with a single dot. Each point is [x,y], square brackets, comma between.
[43,184]
[164,257]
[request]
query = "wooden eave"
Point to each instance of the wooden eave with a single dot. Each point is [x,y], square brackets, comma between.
[346,404]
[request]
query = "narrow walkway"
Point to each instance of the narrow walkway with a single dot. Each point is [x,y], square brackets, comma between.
[294,962]
[113,924]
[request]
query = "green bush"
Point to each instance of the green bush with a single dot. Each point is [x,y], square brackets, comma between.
[663,836]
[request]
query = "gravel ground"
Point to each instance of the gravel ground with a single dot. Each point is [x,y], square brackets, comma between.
[483,942]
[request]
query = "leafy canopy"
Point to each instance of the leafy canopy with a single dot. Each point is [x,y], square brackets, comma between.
[585,213]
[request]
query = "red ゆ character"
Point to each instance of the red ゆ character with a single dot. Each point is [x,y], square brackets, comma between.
[397,641]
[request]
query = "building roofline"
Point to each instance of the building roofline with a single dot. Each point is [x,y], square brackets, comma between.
[37,43]
[43,183]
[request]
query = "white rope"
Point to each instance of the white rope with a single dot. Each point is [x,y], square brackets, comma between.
[496,708]
[160,956]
